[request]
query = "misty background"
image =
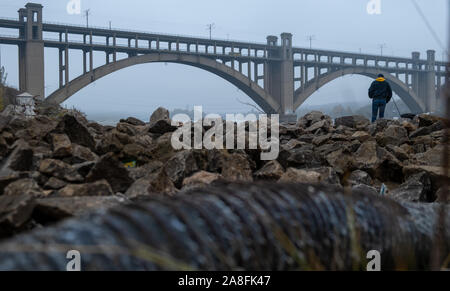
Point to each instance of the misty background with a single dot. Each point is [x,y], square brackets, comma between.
[341,25]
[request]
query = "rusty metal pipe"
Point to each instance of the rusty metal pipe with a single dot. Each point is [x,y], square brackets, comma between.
[239,227]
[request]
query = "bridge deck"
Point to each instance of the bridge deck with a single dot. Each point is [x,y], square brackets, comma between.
[168,38]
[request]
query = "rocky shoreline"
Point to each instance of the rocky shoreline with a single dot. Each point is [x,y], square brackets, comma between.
[59,165]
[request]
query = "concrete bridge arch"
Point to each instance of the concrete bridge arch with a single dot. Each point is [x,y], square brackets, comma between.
[407,94]
[251,88]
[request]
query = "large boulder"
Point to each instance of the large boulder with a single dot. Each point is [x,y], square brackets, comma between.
[113,141]
[432,157]
[314,176]
[427,130]
[311,118]
[81,154]
[184,164]
[341,161]
[323,125]
[15,212]
[20,159]
[361,136]
[60,170]
[356,121]
[438,175]
[61,145]
[366,189]
[237,167]
[113,171]
[300,157]
[6,179]
[76,130]
[271,171]
[160,122]
[98,188]
[359,177]
[426,120]
[378,162]
[54,184]
[378,126]
[155,182]
[127,128]
[133,121]
[399,152]
[23,186]
[417,188]
[392,135]
[200,179]
[55,209]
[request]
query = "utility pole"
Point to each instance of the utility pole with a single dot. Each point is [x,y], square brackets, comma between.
[311,38]
[110,25]
[210,27]
[86,12]
[382,46]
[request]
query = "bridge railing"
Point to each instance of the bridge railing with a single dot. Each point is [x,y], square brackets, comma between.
[124,46]
[151,32]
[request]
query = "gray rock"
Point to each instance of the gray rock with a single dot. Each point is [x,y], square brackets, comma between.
[60,170]
[417,188]
[133,121]
[15,212]
[271,171]
[363,188]
[109,168]
[23,186]
[98,188]
[160,122]
[359,177]
[76,130]
[355,121]
[20,159]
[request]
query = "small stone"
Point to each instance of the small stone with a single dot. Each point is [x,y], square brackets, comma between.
[113,171]
[61,144]
[15,211]
[98,188]
[272,171]
[160,122]
[23,186]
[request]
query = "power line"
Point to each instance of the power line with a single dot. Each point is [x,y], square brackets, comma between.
[210,27]
[311,38]
[382,46]
[87,11]
[427,23]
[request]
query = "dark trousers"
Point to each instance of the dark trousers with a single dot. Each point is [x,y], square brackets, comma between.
[378,106]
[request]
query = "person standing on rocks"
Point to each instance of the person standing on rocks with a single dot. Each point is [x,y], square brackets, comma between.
[381,93]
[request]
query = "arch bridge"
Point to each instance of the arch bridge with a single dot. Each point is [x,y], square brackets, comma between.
[276,75]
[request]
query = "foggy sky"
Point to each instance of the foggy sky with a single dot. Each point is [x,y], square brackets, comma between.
[336,25]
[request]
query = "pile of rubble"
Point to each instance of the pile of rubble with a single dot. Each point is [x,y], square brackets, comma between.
[61,166]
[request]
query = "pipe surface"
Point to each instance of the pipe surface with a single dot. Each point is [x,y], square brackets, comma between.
[239,227]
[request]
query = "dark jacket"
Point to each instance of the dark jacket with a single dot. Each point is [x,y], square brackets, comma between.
[380,89]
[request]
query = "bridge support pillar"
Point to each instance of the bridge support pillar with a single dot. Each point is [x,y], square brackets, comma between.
[431,81]
[31,53]
[280,76]
[427,84]
[415,75]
